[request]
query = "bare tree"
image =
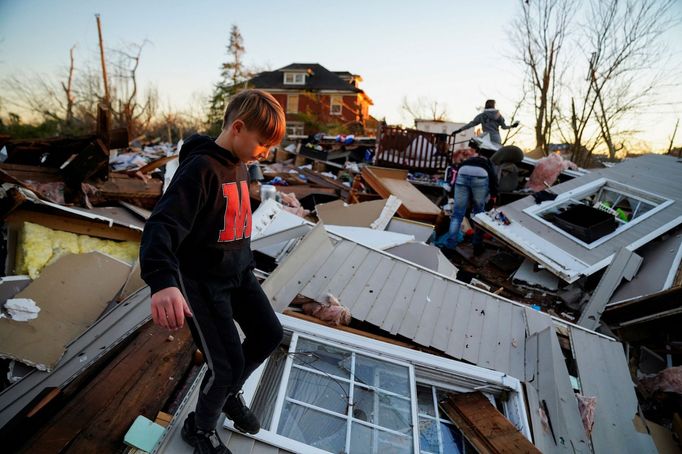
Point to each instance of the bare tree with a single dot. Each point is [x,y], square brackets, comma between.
[68,92]
[130,108]
[625,42]
[539,34]
[424,108]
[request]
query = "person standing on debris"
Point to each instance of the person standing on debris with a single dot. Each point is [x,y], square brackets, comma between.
[490,120]
[475,181]
[196,257]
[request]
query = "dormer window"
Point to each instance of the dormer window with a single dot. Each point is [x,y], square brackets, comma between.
[294,78]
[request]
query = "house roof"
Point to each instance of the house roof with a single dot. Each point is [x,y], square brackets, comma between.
[652,175]
[318,78]
[469,324]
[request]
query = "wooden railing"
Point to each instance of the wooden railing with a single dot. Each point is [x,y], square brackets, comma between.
[413,150]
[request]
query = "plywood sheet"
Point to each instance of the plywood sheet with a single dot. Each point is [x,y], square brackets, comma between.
[71,293]
[387,182]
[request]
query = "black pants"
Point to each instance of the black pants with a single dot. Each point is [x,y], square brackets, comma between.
[216,306]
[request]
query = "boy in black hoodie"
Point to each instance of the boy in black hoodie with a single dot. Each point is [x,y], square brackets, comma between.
[196,257]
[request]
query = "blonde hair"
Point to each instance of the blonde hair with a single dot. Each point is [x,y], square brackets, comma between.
[258,110]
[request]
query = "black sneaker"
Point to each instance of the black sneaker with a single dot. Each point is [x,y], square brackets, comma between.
[243,418]
[202,442]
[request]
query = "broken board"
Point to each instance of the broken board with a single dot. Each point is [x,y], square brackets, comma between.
[71,294]
[387,182]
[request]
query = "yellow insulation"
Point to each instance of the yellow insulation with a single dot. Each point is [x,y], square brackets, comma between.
[39,246]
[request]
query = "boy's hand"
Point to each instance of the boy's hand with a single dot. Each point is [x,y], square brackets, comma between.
[169,308]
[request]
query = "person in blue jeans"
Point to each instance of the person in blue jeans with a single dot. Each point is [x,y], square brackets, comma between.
[476,181]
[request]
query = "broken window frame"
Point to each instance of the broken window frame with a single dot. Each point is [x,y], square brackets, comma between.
[425,368]
[439,418]
[292,78]
[575,196]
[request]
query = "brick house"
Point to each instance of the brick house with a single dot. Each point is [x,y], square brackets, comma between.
[310,89]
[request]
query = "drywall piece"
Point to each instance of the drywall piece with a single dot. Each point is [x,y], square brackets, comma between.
[375,214]
[387,182]
[144,434]
[661,263]
[420,230]
[72,293]
[604,373]
[529,276]
[97,341]
[21,309]
[377,239]
[425,255]
[134,282]
[11,285]
[624,266]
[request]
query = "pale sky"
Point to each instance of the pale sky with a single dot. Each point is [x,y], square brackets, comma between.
[453,52]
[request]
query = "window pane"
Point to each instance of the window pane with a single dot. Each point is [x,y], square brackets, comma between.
[452,438]
[365,439]
[319,390]
[361,439]
[313,427]
[382,410]
[324,358]
[425,400]
[390,377]
[428,435]
[394,444]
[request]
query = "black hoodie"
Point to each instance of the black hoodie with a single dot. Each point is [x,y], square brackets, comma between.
[201,226]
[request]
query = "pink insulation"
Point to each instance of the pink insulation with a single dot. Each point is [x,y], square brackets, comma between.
[547,170]
[668,380]
[330,311]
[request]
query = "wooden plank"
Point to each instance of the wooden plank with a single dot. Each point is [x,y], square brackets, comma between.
[137,381]
[386,182]
[123,186]
[388,292]
[429,317]
[348,329]
[604,374]
[350,294]
[484,426]
[420,302]
[370,292]
[324,274]
[68,223]
[395,311]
